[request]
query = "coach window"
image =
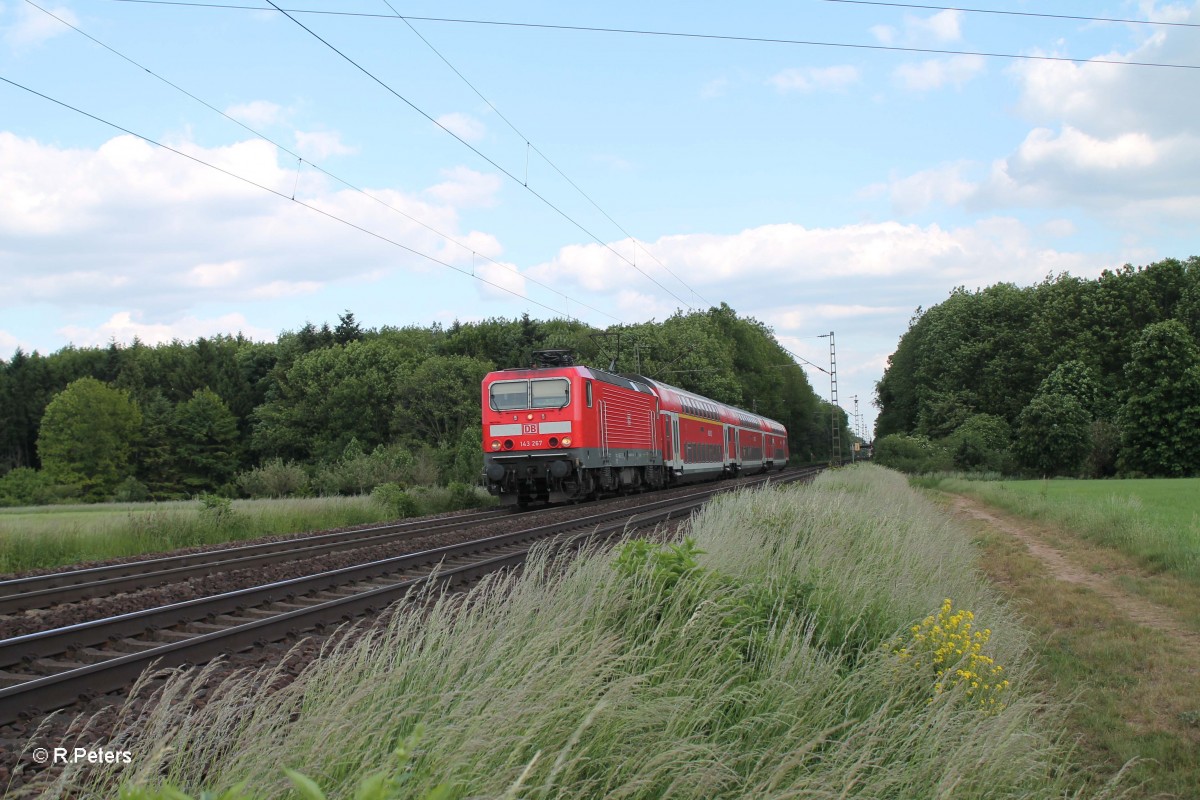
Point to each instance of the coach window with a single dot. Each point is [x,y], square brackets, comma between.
[510,395]
[587,390]
[551,393]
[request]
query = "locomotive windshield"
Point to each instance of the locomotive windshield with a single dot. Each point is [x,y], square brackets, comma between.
[539,393]
[551,393]
[510,395]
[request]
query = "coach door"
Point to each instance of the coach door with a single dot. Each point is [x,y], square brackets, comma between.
[671,430]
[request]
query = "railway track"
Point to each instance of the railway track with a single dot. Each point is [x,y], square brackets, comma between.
[69,586]
[47,670]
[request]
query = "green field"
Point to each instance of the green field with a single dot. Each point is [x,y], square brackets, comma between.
[1157,521]
[40,537]
[792,648]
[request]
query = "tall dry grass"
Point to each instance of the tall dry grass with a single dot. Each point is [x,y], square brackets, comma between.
[765,670]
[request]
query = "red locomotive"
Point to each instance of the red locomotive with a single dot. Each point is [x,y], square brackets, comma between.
[565,432]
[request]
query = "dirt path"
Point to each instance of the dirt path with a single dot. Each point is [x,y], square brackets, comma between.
[1136,609]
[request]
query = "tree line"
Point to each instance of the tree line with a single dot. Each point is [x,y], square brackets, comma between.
[339,409]
[1068,377]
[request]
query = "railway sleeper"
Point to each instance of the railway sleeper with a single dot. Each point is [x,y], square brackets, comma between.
[259,613]
[52,666]
[138,644]
[9,679]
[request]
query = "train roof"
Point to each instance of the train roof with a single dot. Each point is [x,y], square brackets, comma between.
[698,404]
[729,413]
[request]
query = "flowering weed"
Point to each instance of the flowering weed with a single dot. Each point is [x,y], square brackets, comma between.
[949,647]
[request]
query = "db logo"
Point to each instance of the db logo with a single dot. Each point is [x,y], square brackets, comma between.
[529,428]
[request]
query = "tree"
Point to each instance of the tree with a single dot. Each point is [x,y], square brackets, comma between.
[87,436]
[206,437]
[348,330]
[329,396]
[439,399]
[1053,434]
[1160,418]
[981,443]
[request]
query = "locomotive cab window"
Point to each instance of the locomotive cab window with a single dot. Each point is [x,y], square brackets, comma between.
[509,395]
[587,387]
[551,393]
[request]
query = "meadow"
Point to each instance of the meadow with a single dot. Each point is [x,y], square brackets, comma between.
[832,640]
[41,537]
[1155,521]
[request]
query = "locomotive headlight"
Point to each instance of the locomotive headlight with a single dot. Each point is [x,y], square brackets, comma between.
[495,444]
[566,442]
[529,416]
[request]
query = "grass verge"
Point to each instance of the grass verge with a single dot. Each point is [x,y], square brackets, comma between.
[1131,690]
[777,653]
[1156,521]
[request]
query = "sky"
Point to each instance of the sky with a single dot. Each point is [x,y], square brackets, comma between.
[186,171]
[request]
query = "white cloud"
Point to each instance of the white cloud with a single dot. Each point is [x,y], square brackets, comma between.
[884,34]
[463,126]
[31,27]
[714,88]
[882,257]
[1124,178]
[131,226]
[257,113]
[940,185]
[1116,175]
[503,280]
[283,288]
[319,145]
[941,27]
[125,326]
[938,72]
[811,79]
[9,344]
[225,273]
[800,316]
[1058,228]
[466,188]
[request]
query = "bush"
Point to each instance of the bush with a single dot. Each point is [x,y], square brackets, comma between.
[274,478]
[357,472]
[26,487]
[464,496]
[396,499]
[216,511]
[131,490]
[981,444]
[914,454]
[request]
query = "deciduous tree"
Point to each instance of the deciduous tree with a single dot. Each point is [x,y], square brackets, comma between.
[87,436]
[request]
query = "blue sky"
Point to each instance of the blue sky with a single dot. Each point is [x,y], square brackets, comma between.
[816,188]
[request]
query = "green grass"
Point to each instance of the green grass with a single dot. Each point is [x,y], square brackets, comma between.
[50,536]
[1156,521]
[757,662]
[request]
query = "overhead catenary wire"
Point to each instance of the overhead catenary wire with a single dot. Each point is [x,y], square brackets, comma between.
[301,161]
[696,36]
[277,193]
[476,150]
[530,146]
[1008,13]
